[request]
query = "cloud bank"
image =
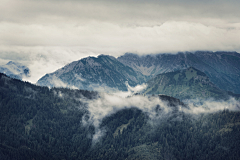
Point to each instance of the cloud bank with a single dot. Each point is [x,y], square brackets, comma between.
[46,35]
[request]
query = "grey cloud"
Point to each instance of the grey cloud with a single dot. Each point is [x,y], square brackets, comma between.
[121,12]
[46,35]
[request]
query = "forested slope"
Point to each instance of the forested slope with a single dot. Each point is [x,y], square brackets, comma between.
[42,123]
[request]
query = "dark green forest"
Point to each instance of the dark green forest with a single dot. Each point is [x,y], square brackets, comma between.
[41,123]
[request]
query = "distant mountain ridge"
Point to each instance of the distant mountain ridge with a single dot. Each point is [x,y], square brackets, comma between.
[106,72]
[93,72]
[223,68]
[15,70]
[189,83]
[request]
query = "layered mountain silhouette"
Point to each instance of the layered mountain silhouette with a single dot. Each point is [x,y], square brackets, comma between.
[223,68]
[214,74]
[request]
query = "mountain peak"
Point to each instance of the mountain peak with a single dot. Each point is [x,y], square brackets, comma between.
[10,63]
[92,73]
[13,63]
[184,84]
[15,70]
[103,55]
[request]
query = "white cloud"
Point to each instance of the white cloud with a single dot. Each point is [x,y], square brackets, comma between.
[211,106]
[108,104]
[137,88]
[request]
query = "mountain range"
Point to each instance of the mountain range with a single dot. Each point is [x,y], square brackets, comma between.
[223,68]
[69,120]
[15,70]
[91,73]
[214,74]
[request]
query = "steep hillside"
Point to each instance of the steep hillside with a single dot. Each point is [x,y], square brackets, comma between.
[185,84]
[41,123]
[223,68]
[92,73]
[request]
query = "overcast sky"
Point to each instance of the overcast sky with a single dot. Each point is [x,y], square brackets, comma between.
[47,34]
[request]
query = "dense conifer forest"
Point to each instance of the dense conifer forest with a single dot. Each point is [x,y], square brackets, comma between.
[41,123]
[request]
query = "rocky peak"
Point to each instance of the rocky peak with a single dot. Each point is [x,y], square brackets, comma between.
[15,70]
